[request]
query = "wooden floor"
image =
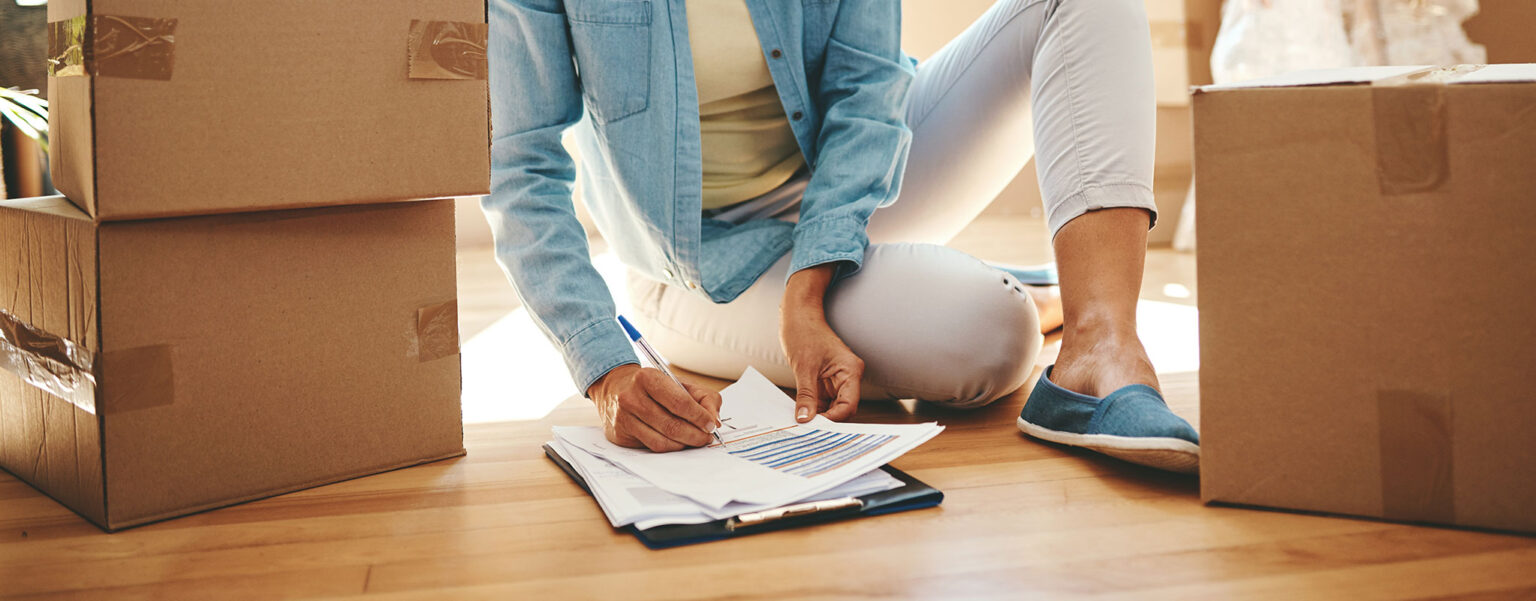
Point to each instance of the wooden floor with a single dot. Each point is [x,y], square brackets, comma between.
[1020,519]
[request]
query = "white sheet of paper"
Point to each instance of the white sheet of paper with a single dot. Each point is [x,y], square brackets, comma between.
[628,499]
[767,459]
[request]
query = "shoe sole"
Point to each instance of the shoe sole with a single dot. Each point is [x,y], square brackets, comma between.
[1171,454]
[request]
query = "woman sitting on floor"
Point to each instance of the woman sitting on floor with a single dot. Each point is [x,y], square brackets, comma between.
[780,178]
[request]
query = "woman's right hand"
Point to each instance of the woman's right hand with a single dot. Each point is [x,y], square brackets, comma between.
[642,408]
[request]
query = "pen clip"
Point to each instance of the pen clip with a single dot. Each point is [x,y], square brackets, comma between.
[758,518]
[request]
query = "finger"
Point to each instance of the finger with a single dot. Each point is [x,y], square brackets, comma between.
[640,405]
[846,403]
[650,412]
[707,398]
[807,395]
[679,403]
[632,426]
[806,403]
[622,438]
[674,429]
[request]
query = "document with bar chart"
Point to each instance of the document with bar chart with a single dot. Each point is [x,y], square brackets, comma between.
[801,450]
[764,457]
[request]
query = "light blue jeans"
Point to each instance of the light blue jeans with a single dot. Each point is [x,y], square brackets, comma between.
[1068,81]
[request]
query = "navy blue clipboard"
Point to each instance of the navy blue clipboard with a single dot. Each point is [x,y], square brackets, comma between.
[913,494]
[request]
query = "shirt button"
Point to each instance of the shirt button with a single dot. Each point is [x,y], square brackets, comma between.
[668,273]
[692,285]
[797,116]
[776,53]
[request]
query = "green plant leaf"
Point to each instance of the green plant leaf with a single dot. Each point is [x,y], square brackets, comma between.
[34,104]
[30,125]
[27,112]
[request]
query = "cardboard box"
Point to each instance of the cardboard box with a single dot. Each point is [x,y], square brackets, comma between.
[1173,171]
[276,104]
[1183,34]
[1504,27]
[194,363]
[1365,266]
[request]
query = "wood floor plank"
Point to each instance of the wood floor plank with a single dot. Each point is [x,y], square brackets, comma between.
[1462,574]
[304,584]
[508,522]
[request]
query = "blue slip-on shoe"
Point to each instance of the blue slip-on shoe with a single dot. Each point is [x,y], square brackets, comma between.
[1132,423]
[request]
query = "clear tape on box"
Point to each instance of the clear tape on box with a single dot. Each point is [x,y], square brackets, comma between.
[51,363]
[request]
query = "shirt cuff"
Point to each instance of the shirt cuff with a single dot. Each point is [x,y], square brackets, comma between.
[834,240]
[595,350]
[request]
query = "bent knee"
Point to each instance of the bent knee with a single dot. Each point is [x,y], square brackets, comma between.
[936,324]
[998,351]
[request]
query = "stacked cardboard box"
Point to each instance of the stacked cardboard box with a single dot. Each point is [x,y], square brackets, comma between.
[240,296]
[1366,323]
[1183,34]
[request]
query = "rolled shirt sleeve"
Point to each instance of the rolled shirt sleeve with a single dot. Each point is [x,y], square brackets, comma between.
[861,149]
[535,97]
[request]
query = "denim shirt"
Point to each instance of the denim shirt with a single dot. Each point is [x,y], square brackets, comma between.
[619,74]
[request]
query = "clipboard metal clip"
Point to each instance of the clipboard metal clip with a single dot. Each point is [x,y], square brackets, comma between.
[757,518]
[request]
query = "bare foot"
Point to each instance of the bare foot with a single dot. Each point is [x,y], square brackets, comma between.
[1047,306]
[1099,364]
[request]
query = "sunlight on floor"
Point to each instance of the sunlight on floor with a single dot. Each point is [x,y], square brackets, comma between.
[513,373]
[1171,334]
[1176,290]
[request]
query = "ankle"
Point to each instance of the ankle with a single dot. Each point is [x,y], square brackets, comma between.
[1100,342]
[1100,365]
[1100,325]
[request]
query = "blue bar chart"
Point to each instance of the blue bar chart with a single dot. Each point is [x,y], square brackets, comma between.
[800,450]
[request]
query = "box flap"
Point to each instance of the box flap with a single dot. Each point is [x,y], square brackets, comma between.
[56,206]
[1417,74]
[1501,74]
[1318,77]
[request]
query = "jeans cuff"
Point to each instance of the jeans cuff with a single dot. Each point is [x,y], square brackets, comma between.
[1102,196]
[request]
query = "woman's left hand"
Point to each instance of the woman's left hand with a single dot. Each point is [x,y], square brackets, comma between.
[827,372]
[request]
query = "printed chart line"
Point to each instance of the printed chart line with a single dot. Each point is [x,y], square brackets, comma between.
[804,452]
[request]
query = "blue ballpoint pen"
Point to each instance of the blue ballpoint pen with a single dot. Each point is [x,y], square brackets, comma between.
[656,360]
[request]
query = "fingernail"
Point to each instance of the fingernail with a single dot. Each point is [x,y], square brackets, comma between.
[803,414]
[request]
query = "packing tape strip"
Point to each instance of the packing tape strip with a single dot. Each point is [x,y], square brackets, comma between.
[137,378]
[1412,154]
[1417,456]
[446,50]
[112,46]
[437,331]
[53,364]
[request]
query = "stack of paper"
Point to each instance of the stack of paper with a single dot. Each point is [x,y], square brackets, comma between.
[765,460]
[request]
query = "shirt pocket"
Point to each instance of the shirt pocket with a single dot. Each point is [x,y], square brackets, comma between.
[612,43]
[820,15]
